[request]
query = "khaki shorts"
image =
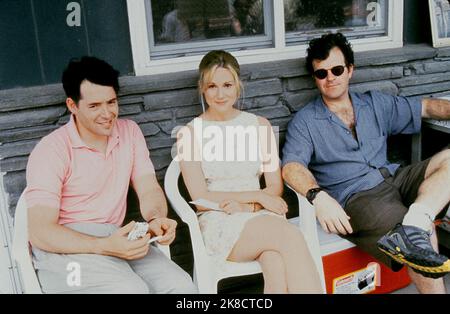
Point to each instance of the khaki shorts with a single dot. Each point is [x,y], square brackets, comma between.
[375,212]
[100,274]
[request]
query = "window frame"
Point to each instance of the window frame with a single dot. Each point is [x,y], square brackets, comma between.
[144,65]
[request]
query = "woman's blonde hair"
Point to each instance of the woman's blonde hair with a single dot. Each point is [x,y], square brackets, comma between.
[218,59]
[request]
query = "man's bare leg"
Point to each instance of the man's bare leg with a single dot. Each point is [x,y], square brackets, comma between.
[428,285]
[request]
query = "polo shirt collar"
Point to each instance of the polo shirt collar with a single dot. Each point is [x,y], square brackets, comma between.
[113,140]
[77,142]
[75,138]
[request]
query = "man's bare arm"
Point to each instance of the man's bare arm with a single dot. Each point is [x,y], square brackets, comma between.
[46,234]
[152,201]
[299,177]
[153,206]
[435,108]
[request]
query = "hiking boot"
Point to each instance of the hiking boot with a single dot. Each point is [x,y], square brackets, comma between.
[411,246]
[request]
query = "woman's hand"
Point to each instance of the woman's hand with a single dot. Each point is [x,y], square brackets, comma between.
[231,206]
[273,203]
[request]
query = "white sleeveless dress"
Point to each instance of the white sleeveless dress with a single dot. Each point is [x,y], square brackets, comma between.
[221,231]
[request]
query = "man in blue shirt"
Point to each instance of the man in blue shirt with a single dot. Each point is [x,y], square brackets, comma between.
[335,155]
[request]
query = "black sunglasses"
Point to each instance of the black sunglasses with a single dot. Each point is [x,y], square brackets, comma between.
[323,73]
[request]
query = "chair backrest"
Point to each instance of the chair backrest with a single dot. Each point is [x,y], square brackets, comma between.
[21,249]
[182,208]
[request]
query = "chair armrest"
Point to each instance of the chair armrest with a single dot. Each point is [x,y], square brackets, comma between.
[187,215]
[308,225]
[21,249]
[202,268]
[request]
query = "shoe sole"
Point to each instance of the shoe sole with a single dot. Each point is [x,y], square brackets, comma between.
[434,270]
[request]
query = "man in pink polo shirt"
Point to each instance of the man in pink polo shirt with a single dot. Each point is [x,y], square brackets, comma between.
[77,183]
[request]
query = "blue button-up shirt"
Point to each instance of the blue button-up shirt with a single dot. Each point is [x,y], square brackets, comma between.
[341,164]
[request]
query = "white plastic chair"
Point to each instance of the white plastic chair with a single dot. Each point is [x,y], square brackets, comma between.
[206,273]
[21,249]
[320,243]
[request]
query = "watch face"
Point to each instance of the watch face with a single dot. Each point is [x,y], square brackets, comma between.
[311,194]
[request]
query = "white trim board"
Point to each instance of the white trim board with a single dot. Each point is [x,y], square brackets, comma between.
[9,278]
[143,65]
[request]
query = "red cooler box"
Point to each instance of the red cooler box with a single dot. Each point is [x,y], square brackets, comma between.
[348,270]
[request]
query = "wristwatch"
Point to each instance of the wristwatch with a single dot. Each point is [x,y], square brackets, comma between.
[312,193]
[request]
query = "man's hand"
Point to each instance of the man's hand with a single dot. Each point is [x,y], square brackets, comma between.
[118,244]
[273,203]
[331,215]
[165,227]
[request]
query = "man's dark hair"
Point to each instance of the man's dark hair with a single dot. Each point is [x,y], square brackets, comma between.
[319,49]
[88,68]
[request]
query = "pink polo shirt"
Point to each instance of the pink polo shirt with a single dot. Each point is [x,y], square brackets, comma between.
[86,185]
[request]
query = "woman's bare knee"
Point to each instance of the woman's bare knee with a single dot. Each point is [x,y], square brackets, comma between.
[271,258]
[263,233]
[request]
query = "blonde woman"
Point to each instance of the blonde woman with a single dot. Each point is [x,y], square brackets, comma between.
[251,223]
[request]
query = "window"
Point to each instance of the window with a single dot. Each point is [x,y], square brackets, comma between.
[304,19]
[181,28]
[173,35]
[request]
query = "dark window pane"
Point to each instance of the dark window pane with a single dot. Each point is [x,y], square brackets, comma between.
[361,18]
[19,55]
[195,20]
[186,27]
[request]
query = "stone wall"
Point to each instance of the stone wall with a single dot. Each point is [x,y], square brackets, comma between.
[158,103]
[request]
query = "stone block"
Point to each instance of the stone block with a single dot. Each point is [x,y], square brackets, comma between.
[161,158]
[188,111]
[149,129]
[422,79]
[297,100]
[13,164]
[126,110]
[171,99]
[32,97]
[282,69]
[260,102]
[16,149]
[130,85]
[385,87]
[168,126]
[425,89]
[30,118]
[152,116]
[26,133]
[262,88]
[15,182]
[361,75]
[299,83]
[272,112]
[161,141]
